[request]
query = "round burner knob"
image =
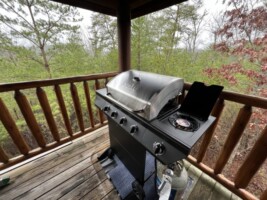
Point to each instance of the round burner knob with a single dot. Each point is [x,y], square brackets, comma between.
[133,129]
[158,148]
[123,120]
[106,108]
[114,114]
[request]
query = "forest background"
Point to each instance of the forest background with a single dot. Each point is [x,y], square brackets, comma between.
[41,39]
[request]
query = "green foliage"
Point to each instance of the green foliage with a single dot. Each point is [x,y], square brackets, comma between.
[156,47]
[40,22]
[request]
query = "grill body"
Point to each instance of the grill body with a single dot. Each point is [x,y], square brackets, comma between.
[143,110]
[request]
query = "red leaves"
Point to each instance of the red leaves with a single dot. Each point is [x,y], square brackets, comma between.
[227,72]
[222,47]
[264,68]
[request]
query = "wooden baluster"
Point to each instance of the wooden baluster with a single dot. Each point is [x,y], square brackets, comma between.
[264,195]
[88,101]
[42,97]
[106,81]
[101,115]
[29,117]
[12,129]
[77,105]
[216,112]
[233,138]
[63,109]
[3,156]
[253,161]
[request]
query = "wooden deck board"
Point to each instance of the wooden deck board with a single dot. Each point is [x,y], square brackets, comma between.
[203,188]
[30,170]
[84,187]
[71,183]
[113,195]
[100,191]
[72,172]
[54,169]
[220,193]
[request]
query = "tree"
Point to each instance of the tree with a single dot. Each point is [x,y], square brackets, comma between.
[179,24]
[244,35]
[194,25]
[214,24]
[244,39]
[40,22]
[103,33]
[142,43]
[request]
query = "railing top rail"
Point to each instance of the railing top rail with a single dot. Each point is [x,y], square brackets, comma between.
[6,87]
[249,100]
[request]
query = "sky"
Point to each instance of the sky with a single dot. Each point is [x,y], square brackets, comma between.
[212,6]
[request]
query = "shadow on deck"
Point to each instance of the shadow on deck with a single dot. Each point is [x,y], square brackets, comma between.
[72,172]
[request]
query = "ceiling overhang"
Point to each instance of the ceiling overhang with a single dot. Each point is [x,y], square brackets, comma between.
[109,7]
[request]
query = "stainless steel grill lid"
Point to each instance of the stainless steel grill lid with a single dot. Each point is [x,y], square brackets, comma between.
[143,92]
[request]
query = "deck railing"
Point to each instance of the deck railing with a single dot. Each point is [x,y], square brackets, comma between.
[242,178]
[25,107]
[255,157]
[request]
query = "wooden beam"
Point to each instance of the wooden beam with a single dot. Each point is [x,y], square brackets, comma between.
[51,82]
[29,117]
[3,156]
[42,97]
[253,162]
[249,100]
[124,34]
[233,138]
[244,194]
[63,109]
[216,112]
[153,6]
[12,130]
[48,147]
[77,106]
[91,5]
[264,195]
[88,102]
[101,115]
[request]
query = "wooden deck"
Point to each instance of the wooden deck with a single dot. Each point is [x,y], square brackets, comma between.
[72,172]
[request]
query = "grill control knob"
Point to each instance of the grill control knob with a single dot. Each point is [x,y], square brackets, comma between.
[158,148]
[106,108]
[123,120]
[133,129]
[114,114]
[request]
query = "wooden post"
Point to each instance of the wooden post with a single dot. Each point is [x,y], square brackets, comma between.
[63,109]
[124,34]
[264,195]
[48,113]
[253,161]
[216,112]
[77,106]
[233,138]
[29,117]
[101,115]
[3,156]
[88,101]
[12,129]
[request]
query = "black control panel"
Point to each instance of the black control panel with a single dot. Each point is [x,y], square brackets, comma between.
[156,144]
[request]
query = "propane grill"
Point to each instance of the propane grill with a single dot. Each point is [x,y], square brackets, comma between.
[145,115]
